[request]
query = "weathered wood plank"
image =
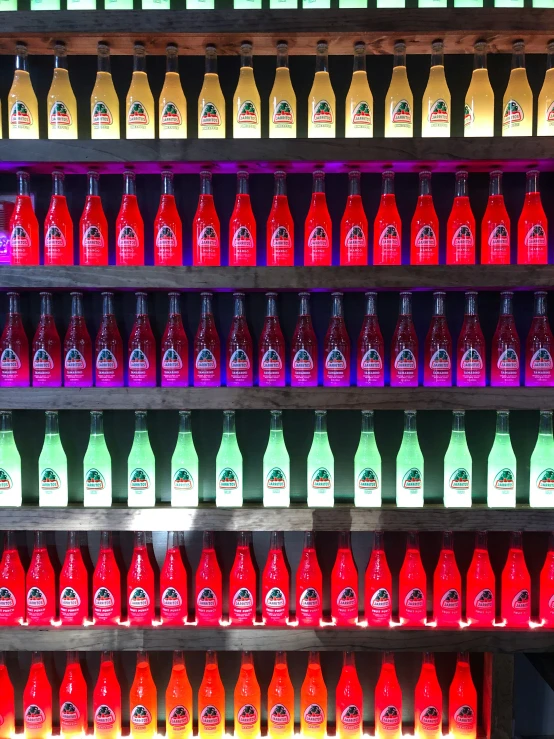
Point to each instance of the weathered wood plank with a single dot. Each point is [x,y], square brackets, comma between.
[498,696]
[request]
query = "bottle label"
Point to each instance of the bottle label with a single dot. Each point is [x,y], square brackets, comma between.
[336,367]
[172,367]
[170,603]
[270,367]
[355,243]
[425,243]
[138,366]
[101,116]
[402,114]
[247,115]
[228,479]
[464,718]
[380,603]
[74,364]
[389,242]
[513,114]
[20,115]
[347,600]
[302,366]
[367,479]
[351,718]
[439,115]
[69,715]
[247,716]
[139,480]
[49,480]
[36,602]
[521,602]
[508,364]
[471,365]
[541,365]
[412,479]
[279,715]
[207,243]
[389,718]
[210,116]
[206,604]
[7,603]
[535,240]
[281,243]
[127,243]
[283,116]
[140,717]
[20,242]
[550,113]
[459,479]
[309,603]
[171,117]
[239,364]
[54,243]
[499,241]
[484,602]
[206,366]
[9,364]
[69,603]
[104,718]
[322,115]
[414,602]
[430,717]
[371,366]
[210,717]
[469,115]
[314,715]
[504,480]
[243,243]
[463,242]
[318,243]
[275,603]
[5,484]
[106,365]
[243,601]
[321,479]
[361,115]
[137,116]
[60,117]
[93,243]
[440,366]
[450,601]
[275,479]
[179,717]
[103,603]
[545,481]
[139,602]
[34,716]
[166,242]
[405,365]
[183,480]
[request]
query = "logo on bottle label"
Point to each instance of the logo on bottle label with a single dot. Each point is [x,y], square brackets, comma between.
[205,360]
[471,360]
[171,115]
[318,239]
[183,480]
[34,716]
[321,479]
[499,237]
[49,480]
[171,598]
[74,360]
[405,360]
[440,360]
[464,716]
[239,360]
[430,717]
[69,712]
[545,481]
[463,238]
[310,599]
[208,239]
[127,240]
[504,480]
[361,115]
[389,238]
[20,115]
[302,360]
[513,114]
[206,598]
[469,116]
[69,598]
[140,716]
[104,716]
[541,360]
[280,239]
[314,715]
[139,479]
[171,360]
[275,598]
[103,598]
[54,238]
[412,479]
[367,479]
[279,714]
[139,598]
[381,599]
[355,239]
[282,114]
[101,115]
[322,113]
[36,598]
[19,240]
[521,601]
[351,717]
[347,598]
[9,361]
[247,715]
[535,236]
[271,360]
[484,600]
[390,718]
[275,479]
[242,238]
[93,239]
[450,600]
[371,361]
[508,360]
[439,112]
[138,360]
[243,600]
[426,239]
[550,113]
[137,115]
[106,360]
[335,360]
[5,482]
[7,599]
[60,117]
[459,479]
[210,115]
[179,717]
[402,114]
[247,115]
[210,716]
[414,599]
[228,479]
[166,241]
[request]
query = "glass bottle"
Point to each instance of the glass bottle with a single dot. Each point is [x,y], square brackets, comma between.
[387,227]
[141,597]
[370,352]
[336,348]
[545,108]
[304,359]
[367,466]
[77,347]
[7,700]
[541,479]
[73,585]
[143,702]
[462,701]
[424,242]
[247,700]
[321,466]
[172,105]
[515,590]
[24,241]
[517,103]
[173,583]
[22,101]
[40,585]
[228,466]
[349,700]
[211,103]
[108,347]
[107,700]
[246,100]
[539,347]
[412,585]
[318,228]
[10,467]
[141,348]
[479,101]
[46,348]
[211,701]
[282,100]
[174,347]
[358,116]
[242,584]
[480,585]
[344,585]
[52,465]
[506,352]
[321,100]
[378,585]
[495,226]
[280,226]
[502,466]
[280,701]
[168,229]
[271,350]
[532,227]
[129,226]
[12,583]
[178,701]
[61,106]
[399,101]
[458,466]
[404,348]
[313,701]
[276,466]
[239,347]
[208,599]
[37,701]
[428,701]
[97,466]
[242,227]
[207,351]
[141,467]
[206,237]
[409,466]
[140,117]
[93,227]
[275,584]
[309,585]
[436,112]
[460,230]
[447,586]
[437,368]
[471,347]
[104,102]
[388,701]
[14,347]
[353,226]
[185,483]
[58,226]
[106,598]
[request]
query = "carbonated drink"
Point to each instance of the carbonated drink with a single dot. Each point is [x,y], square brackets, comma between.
[447,586]
[404,348]
[424,246]
[412,588]
[309,585]
[318,229]
[546,591]
[515,604]
[378,585]
[387,227]
[58,226]
[24,241]
[73,699]
[304,359]
[349,700]
[370,370]
[211,701]
[271,351]
[106,590]
[242,227]
[73,586]
[336,348]
[247,700]
[462,701]
[7,702]
[40,584]
[206,238]
[106,700]
[460,230]
[141,596]
[129,226]
[505,352]
[93,227]
[207,351]
[532,227]
[178,701]
[173,583]
[495,226]
[47,350]
[208,593]
[280,226]
[175,347]
[280,701]
[353,226]
[275,584]
[12,587]
[471,347]
[242,585]
[77,347]
[37,701]
[108,348]
[141,348]
[344,585]
[143,705]
[14,348]
[313,701]
[168,229]
[428,701]
[240,359]
[480,585]
[539,348]
[388,701]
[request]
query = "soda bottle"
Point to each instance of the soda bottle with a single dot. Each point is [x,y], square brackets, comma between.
[93,227]
[460,230]
[141,467]
[242,585]
[424,241]
[178,701]
[353,226]
[276,465]
[140,118]
[246,100]
[517,104]
[141,364]
[480,585]
[378,585]
[336,348]
[61,105]
[7,702]
[505,346]
[207,353]
[228,465]
[321,466]
[141,596]
[412,588]
[129,226]
[405,348]
[388,701]
[409,466]
[106,591]
[108,348]
[247,700]
[309,585]
[541,482]
[359,111]
[462,701]
[437,367]
[471,347]
[318,229]
[304,360]
[143,705]
[172,103]
[539,348]
[387,227]
[321,100]
[370,370]
[73,587]
[515,602]
[275,584]
[73,699]
[106,700]
[52,465]
[40,584]
[175,347]
[14,348]
[280,226]
[545,110]
[447,586]
[428,701]
[280,701]
[240,358]
[37,701]
[184,466]
[173,583]
[12,587]
[168,229]
[282,100]
[458,466]
[532,227]
[546,588]
[242,227]
[211,701]
[502,466]
[10,464]
[271,353]
[47,349]
[313,701]
[344,585]
[208,591]
[349,700]
[77,347]
[479,100]
[22,101]
[436,111]
[104,103]
[206,235]
[24,241]
[495,226]
[58,226]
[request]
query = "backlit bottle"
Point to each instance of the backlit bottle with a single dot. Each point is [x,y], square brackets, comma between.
[344,585]
[280,701]
[129,226]
[460,230]
[447,586]
[495,226]
[108,348]
[104,102]
[480,585]
[309,585]
[349,700]
[545,108]
[93,227]
[185,482]
[399,101]
[141,350]
[106,700]
[517,103]
[77,347]
[141,467]
[505,355]
[387,227]
[479,101]
[409,466]
[437,367]
[282,100]
[14,348]
[139,103]
[436,112]
[388,701]
[539,347]
[541,482]
[318,229]
[378,585]
[52,466]
[240,358]
[276,466]
[246,100]
[470,371]
[546,590]
[73,586]
[141,596]
[106,598]
[24,241]
[173,583]
[321,466]
[208,590]
[353,227]
[211,103]
[174,347]
[22,101]
[321,100]
[58,226]
[143,702]
[313,701]
[428,701]
[178,701]
[242,227]
[12,587]
[73,699]
[280,226]
[462,701]
[304,358]
[37,701]
[211,701]
[358,116]
[271,349]
[10,467]
[501,467]
[367,466]
[228,466]
[207,349]
[404,348]
[247,700]
[532,227]
[370,370]
[206,236]
[172,105]
[336,348]
[46,349]
[458,466]
[168,230]
[61,106]
[242,585]
[424,241]
[7,701]
[40,584]
[515,603]
[275,584]
[412,587]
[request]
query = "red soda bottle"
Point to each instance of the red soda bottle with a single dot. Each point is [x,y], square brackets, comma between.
[344,585]
[280,226]
[77,347]
[108,348]
[506,351]
[58,226]
[207,352]
[47,349]
[275,584]
[106,585]
[313,701]
[539,348]
[428,701]
[24,241]
[208,585]
[388,701]
[7,702]
[280,701]
[239,348]
[471,347]
[304,362]
[447,586]
[349,700]
[206,236]
[371,348]
[546,607]
[12,587]
[37,701]
[480,585]
[73,699]
[40,584]
[173,583]
[437,367]
[460,230]
[178,701]
[424,242]
[143,701]
[515,602]
[271,352]
[336,348]
[318,229]
[532,227]
[141,364]
[387,227]
[462,701]
[175,347]
[129,226]
[140,585]
[73,588]
[242,227]
[14,348]
[412,588]
[309,585]
[353,226]
[247,703]
[211,701]
[93,227]
[495,226]
[405,349]
[168,230]
[242,585]
[106,700]
[378,585]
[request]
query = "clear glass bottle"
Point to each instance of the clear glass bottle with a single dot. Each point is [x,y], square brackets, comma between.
[367,466]
[435,106]
[399,101]
[321,466]
[104,102]
[228,466]
[172,105]
[409,466]
[358,116]
[502,466]
[185,484]
[541,480]
[10,464]
[141,467]
[211,103]
[545,109]
[97,465]
[22,101]
[276,466]
[282,99]
[61,105]
[517,104]
[52,466]
[321,100]
[246,100]
[140,121]
[479,102]
[458,466]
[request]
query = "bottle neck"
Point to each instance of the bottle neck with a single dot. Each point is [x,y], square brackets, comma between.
[23,187]
[211,63]
[321,61]
[13,303]
[506,304]
[129,184]
[205,184]
[46,305]
[105,545]
[104,62]
[229,423]
[58,185]
[437,58]
[304,309]
[545,423]
[371,304]
[282,57]
[93,184]
[5,422]
[424,186]
[321,423]
[447,541]
[276,423]
[60,61]
[21,62]
[77,305]
[206,305]
[540,304]
[518,59]
[359,61]
[167,183]
[405,304]
[438,309]
[458,421]
[280,186]
[399,57]
[185,423]
[271,311]
[174,304]
[479,59]
[495,187]
[461,187]
[107,304]
[142,308]
[172,62]
[550,57]
[388,185]
[242,185]
[367,422]
[502,423]
[96,423]
[481,540]
[318,184]
[246,60]
[139,62]
[532,184]
[337,306]
[471,304]
[354,185]
[239,306]
[52,426]
[140,424]
[410,424]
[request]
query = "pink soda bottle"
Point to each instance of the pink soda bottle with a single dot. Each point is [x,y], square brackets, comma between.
[336,348]
[424,247]
[106,585]
[378,585]
[349,699]
[471,348]
[168,229]
[370,370]
[437,367]
[129,226]
[93,227]
[275,584]
[515,591]
[280,226]
[532,228]
[73,588]
[462,701]
[208,585]
[240,364]
[353,227]
[108,348]
[77,347]
[460,231]
[175,347]
[388,701]
[428,701]
[412,587]
[271,352]
[506,350]
[141,363]
[173,583]
[539,348]
[447,586]
[40,584]
[14,348]
[309,585]
[47,350]
[546,592]
[344,585]
[242,227]
[480,585]
[495,226]
[304,363]
[58,226]
[207,351]
[404,349]
[318,227]
[205,226]
[7,702]
[242,585]
[387,227]
[24,241]
[12,582]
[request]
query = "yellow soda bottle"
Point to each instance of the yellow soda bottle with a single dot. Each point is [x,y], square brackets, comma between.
[104,103]
[545,111]
[517,104]
[61,106]
[172,104]
[140,122]
[282,100]
[211,103]
[435,107]
[246,100]
[399,102]
[321,100]
[22,101]
[358,116]
[479,104]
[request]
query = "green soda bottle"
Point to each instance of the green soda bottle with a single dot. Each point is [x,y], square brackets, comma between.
[367,466]
[141,467]
[458,467]
[228,466]
[10,464]
[321,466]
[52,466]
[541,483]
[409,466]
[501,472]
[184,466]
[276,468]
[97,465]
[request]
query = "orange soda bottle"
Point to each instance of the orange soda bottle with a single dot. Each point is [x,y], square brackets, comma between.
[37,701]
[313,701]
[211,701]
[7,704]
[178,701]
[73,699]
[349,701]
[280,701]
[143,701]
[106,701]
[248,700]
